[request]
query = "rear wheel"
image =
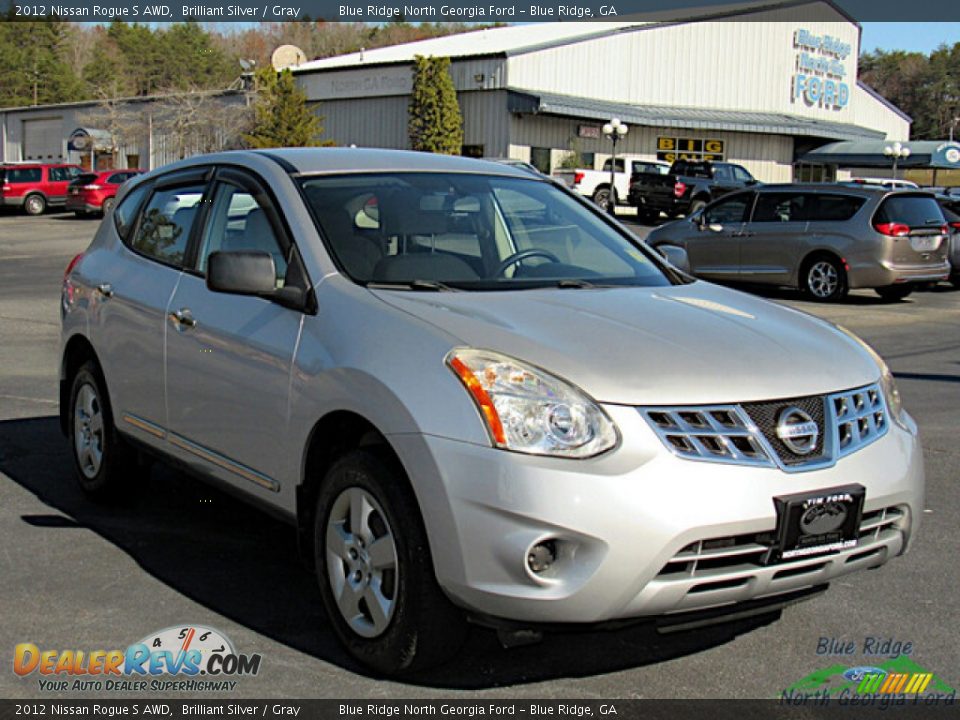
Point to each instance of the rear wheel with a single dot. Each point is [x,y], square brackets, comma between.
[80,213]
[375,570]
[601,197]
[894,292]
[35,204]
[824,279]
[102,461]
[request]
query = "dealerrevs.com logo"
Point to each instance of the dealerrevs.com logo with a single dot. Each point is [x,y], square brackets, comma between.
[187,658]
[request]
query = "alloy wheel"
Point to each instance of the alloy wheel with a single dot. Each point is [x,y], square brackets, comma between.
[88,435]
[362,565]
[823,279]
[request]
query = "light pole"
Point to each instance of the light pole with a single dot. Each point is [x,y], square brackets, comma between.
[615,130]
[898,152]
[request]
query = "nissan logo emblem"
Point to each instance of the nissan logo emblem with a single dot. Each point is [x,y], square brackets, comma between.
[797,430]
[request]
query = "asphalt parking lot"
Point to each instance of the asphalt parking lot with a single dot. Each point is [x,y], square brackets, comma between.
[77,575]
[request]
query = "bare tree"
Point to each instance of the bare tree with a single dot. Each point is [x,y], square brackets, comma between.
[123,122]
[195,122]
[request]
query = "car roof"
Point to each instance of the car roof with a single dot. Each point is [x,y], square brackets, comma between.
[844,187]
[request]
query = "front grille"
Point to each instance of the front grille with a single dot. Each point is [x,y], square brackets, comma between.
[765,416]
[704,558]
[747,434]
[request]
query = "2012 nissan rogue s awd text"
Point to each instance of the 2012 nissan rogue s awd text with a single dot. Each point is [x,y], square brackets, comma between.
[476,395]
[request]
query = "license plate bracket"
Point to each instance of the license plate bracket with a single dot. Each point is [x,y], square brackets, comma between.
[926,243]
[822,521]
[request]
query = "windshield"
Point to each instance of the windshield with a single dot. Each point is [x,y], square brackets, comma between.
[438,231]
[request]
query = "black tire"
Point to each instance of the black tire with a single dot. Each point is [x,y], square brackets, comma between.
[647,217]
[601,196]
[80,214]
[824,279]
[107,206]
[35,204]
[696,206]
[892,293]
[955,281]
[111,475]
[423,628]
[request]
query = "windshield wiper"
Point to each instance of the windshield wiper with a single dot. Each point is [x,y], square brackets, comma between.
[575,283]
[425,285]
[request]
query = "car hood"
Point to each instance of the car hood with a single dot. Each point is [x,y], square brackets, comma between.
[684,344]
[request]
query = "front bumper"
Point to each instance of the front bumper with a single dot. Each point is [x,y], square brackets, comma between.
[626,521]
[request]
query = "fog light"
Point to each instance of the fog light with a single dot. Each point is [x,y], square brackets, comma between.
[542,556]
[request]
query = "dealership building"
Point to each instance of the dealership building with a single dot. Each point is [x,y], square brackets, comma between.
[762,87]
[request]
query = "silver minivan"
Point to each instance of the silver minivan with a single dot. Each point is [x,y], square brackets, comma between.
[474,395]
[823,239]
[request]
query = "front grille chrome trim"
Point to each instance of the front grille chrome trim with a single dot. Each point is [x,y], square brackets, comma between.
[727,434]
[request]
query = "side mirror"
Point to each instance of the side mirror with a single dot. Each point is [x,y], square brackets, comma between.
[242,272]
[676,256]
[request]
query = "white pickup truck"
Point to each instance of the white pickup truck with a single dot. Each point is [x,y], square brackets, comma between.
[595,184]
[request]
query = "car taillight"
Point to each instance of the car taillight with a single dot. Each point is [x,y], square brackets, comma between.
[892,229]
[679,189]
[90,187]
[577,178]
[72,265]
[5,188]
[954,225]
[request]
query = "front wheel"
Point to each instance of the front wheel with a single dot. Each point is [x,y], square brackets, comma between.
[102,461]
[375,570]
[825,280]
[894,292]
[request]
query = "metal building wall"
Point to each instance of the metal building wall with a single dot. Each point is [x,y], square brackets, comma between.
[768,157]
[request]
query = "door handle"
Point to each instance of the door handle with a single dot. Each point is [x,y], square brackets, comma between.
[183,319]
[106,290]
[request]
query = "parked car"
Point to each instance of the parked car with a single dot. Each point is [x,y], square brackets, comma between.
[595,184]
[950,192]
[889,183]
[35,186]
[823,239]
[95,192]
[687,188]
[513,162]
[474,394]
[950,207]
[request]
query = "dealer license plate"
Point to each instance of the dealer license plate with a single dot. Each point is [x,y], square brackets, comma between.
[925,243]
[814,523]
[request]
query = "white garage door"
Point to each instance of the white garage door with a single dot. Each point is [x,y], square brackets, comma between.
[43,139]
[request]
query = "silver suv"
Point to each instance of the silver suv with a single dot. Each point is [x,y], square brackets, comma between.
[475,395]
[823,239]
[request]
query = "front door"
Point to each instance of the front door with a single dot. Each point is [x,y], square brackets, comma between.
[770,242]
[714,248]
[229,357]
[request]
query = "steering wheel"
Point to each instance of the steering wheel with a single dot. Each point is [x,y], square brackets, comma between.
[518,257]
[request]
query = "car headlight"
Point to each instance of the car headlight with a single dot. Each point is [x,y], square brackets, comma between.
[887,383]
[530,411]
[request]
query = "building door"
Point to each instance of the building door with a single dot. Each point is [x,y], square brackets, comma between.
[43,139]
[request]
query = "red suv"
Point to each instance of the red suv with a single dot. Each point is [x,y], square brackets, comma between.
[35,186]
[94,192]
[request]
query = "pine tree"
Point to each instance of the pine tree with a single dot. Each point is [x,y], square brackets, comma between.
[282,118]
[435,123]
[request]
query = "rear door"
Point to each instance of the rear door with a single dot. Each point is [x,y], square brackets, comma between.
[714,251]
[770,242]
[229,357]
[132,289]
[58,179]
[926,242]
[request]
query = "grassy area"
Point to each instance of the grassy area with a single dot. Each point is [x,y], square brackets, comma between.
[949,178]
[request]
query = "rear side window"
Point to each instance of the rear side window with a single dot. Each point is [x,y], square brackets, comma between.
[126,211]
[24,175]
[836,208]
[60,174]
[782,207]
[741,174]
[729,210]
[164,227]
[912,210]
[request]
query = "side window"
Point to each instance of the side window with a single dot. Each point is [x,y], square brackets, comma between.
[126,211]
[165,223]
[117,178]
[73,172]
[783,207]
[741,175]
[729,210]
[237,221]
[59,174]
[836,207]
[722,172]
[25,175]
